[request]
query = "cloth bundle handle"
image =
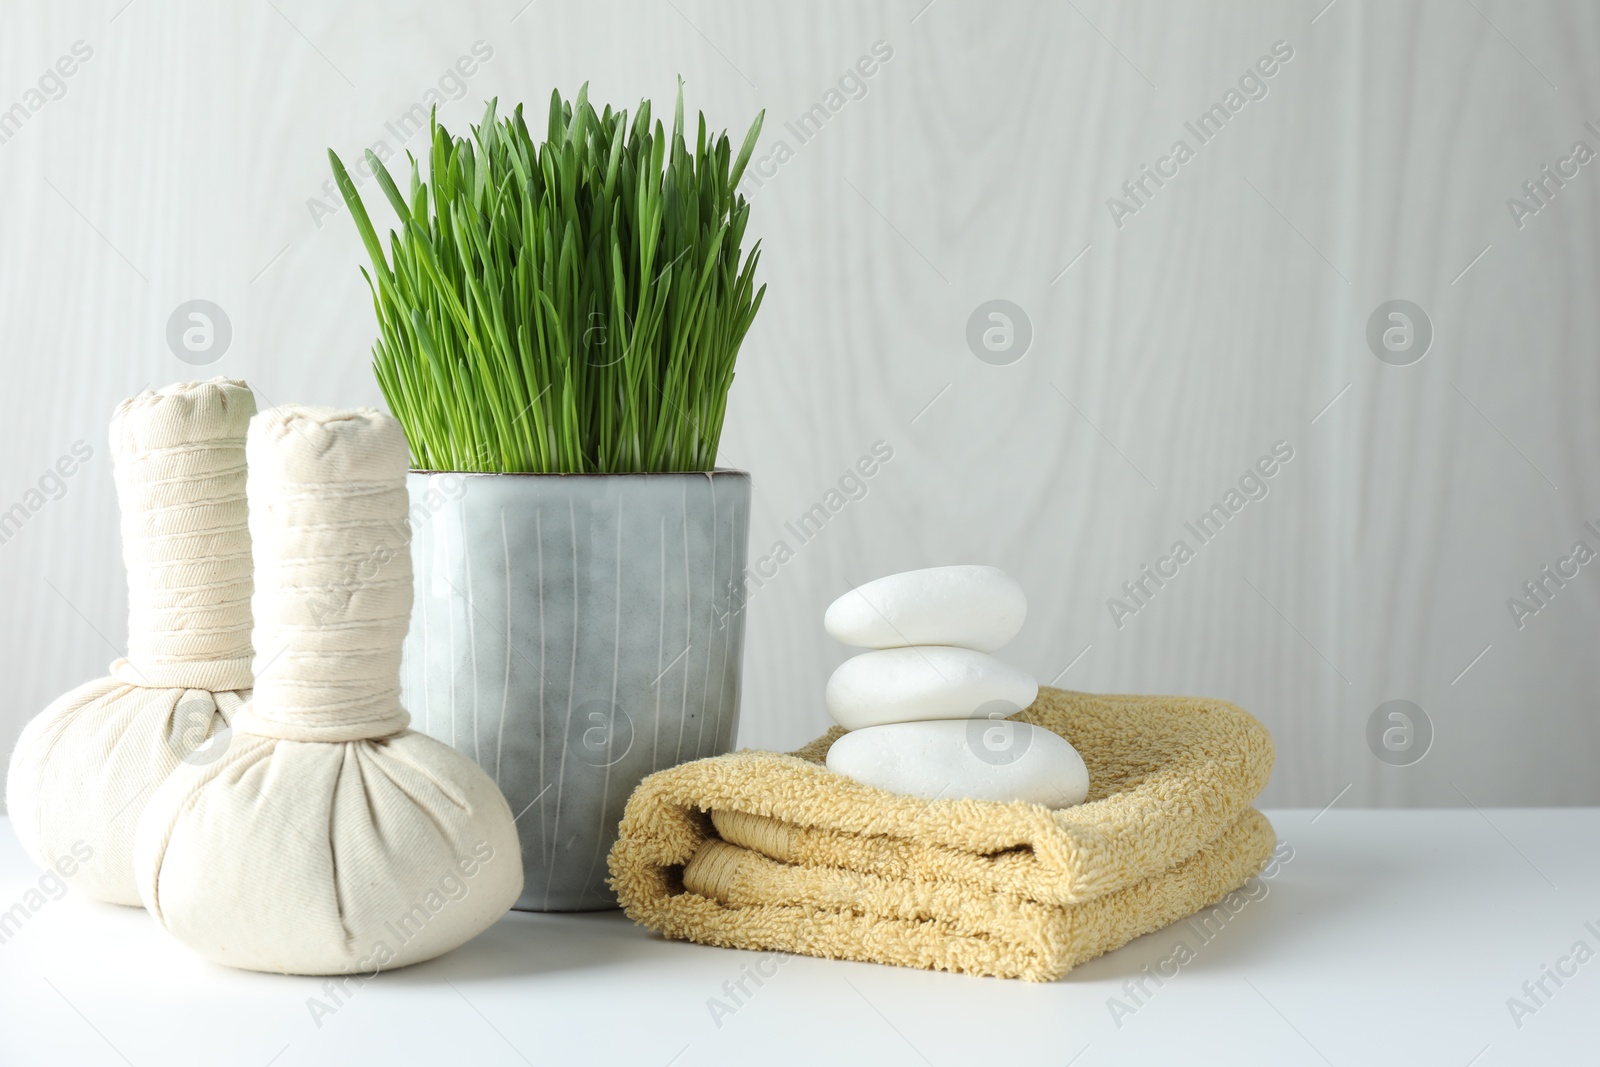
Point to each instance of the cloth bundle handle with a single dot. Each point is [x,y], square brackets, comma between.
[333,591]
[179,464]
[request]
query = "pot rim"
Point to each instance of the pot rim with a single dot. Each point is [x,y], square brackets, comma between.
[585,474]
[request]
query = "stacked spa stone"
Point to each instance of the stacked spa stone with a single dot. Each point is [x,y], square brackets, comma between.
[927,708]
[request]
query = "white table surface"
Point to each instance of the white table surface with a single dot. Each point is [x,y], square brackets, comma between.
[1389,937]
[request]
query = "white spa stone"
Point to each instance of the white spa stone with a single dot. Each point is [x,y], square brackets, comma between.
[925,682]
[975,607]
[981,758]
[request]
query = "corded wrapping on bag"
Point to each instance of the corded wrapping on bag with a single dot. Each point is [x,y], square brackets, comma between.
[333,590]
[180,476]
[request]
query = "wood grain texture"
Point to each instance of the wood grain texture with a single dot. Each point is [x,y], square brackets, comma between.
[1221,317]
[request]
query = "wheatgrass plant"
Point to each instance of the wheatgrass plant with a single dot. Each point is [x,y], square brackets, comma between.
[574,305]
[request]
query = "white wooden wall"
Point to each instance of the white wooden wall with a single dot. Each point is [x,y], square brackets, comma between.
[1168,354]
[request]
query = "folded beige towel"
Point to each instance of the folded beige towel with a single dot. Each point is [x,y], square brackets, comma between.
[766,851]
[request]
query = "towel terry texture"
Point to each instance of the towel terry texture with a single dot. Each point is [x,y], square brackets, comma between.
[766,851]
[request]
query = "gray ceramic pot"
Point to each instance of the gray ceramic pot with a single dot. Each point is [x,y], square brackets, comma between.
[573,633]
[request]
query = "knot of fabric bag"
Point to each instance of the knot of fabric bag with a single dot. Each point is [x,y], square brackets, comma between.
[179,463]
[332,574]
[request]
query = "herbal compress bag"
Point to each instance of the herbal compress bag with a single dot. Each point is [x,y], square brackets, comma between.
[83,768]
[328,838]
